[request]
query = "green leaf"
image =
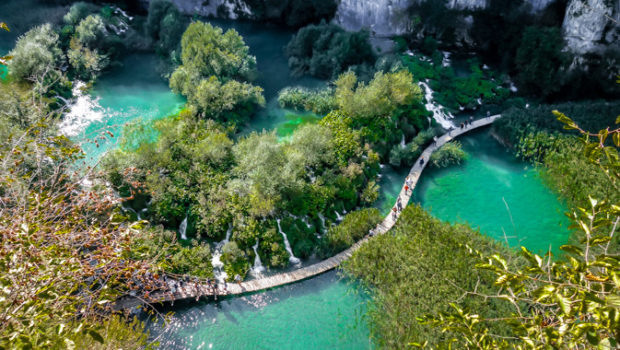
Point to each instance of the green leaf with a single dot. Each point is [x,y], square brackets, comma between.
[95,336]
[564,303]
[613,300]
[572,249]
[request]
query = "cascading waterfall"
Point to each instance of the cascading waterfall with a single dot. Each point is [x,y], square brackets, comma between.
[183,228]
[258,268]
[83,111]
[292,259]
[402,142]
[439,113]
[216,261]
[322,222]
[338,216]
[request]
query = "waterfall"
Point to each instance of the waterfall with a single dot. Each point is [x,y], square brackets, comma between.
[183,228]
[322,221]
[338,216]
[83,111]
[305,220]
[287,245]
[216,260]
[439,113]
[258,268]
[445,62]
[134,211]
[402,142]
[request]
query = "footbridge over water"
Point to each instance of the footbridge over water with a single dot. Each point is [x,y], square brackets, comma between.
[195,291]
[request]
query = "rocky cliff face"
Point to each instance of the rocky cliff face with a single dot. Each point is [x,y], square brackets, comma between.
[588,25]
[218,8]
[388,17]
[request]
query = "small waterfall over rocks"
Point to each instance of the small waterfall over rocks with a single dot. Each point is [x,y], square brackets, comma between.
[183,228]
[292,259]
[439,113]
[338,216]
[216,261]
[258,267]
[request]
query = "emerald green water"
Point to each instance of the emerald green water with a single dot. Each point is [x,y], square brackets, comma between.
[502,196]
[322,313]
[132,93]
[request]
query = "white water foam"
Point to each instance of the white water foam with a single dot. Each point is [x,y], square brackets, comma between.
[183,228]
[292,259]
[258,268]
[216,260]
[84,110]
[440,115]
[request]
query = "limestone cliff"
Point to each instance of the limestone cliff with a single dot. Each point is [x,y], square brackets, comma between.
[589,25]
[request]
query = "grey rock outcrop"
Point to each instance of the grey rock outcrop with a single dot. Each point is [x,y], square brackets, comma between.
[589,25]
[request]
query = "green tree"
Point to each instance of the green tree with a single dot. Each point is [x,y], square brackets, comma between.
[165,25]
[540,60]
[380,98]
[91,30]
[36,55]
[449,154]
[215,64]
[326,50]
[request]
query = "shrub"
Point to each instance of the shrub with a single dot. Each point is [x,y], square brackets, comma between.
[235,261]
[449,154]
[36,54]
[353,227]
[326,50]
[299,98]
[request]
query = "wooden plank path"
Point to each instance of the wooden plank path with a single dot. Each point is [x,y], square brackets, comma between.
[195,291]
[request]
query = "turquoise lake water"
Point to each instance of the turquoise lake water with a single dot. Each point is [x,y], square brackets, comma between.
[324,312]
[502,196]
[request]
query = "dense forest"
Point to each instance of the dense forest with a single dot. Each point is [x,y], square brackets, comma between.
[196,196]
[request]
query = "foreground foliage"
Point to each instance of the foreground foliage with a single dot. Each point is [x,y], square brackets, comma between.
[63,248]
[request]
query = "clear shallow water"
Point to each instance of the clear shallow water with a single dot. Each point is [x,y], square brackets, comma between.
[267,42]
[321,313]
[497,193]
[137,92]
[130,93]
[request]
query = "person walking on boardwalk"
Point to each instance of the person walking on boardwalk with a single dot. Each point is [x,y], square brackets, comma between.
[408,184]
[394,213]
[399,204]
[238,279]
[421,161]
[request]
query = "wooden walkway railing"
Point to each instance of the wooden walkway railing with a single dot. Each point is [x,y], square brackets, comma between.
[191,291]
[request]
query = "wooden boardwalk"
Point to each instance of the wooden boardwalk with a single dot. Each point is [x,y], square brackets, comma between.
[192,291]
